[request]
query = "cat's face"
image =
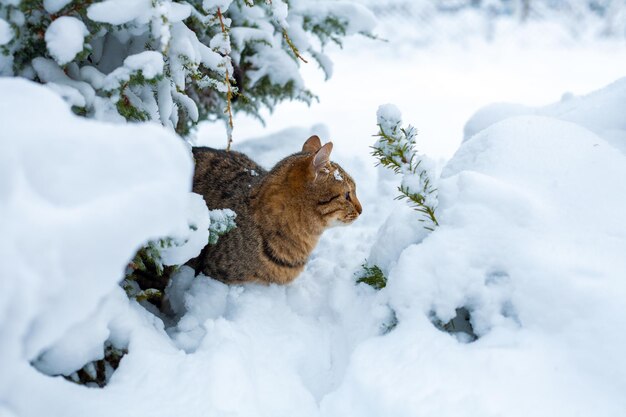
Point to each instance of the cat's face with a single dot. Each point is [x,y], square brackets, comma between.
[308,190]
[335,196]
[331,189]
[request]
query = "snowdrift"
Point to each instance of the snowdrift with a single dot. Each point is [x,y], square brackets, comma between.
[532,243]
[77,199]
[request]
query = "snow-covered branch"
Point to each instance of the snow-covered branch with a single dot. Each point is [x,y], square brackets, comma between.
[395,149]
[177,63]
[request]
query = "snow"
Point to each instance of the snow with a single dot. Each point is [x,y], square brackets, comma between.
[71,95]
[53,6]
[6,33]
[220,219]
[193,238]
[359,18]
[274,64]
[11,2]
[524,247]
[522,244]
[64,38]
[118,12]
[178,12]
[220,43]
[387,116]
[279,11]
[77,93]
[209,5]
[150,63]
[598,112]
[531,241]
[68,236]
[240,35]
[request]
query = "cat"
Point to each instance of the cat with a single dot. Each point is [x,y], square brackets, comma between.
[281,213]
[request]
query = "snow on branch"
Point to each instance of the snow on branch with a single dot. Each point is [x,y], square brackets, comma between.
[177,63]
[395,149]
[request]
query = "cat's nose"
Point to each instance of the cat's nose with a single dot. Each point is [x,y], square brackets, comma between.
[357,205]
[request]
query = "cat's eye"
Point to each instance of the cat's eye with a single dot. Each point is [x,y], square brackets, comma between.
[348,196]
[324,202]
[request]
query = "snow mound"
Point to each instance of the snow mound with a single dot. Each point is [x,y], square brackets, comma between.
[77,199]
[531,242]
[601,112]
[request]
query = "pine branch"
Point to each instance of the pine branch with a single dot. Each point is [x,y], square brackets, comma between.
[419,204]
[372,276]
[395,150]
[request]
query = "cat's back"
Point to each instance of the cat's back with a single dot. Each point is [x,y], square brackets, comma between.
[224,178]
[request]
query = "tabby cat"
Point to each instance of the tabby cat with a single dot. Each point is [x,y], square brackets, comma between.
[280,214]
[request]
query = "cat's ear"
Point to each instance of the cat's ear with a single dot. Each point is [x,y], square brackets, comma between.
[321,159]
[312,144]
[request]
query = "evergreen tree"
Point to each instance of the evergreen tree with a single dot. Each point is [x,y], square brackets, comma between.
[177,63]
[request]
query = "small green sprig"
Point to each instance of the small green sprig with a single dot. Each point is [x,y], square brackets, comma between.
[395,150]
[418,202]
[372,276]
[222,222]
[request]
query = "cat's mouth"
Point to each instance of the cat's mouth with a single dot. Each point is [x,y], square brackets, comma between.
[341,222]
[349,219]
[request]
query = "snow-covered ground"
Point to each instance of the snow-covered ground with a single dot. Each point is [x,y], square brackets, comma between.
[532,237]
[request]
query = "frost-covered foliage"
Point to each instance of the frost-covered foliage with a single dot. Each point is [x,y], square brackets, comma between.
[395,149]
[222,222]
[204,227]
[172,62]
[372,275]
[150,270]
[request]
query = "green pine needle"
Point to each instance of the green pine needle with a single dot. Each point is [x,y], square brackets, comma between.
[395,150]
[372,276]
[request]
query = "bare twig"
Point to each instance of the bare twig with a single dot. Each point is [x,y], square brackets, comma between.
[229,97]
[293,47]
[229,92]
[221,17]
